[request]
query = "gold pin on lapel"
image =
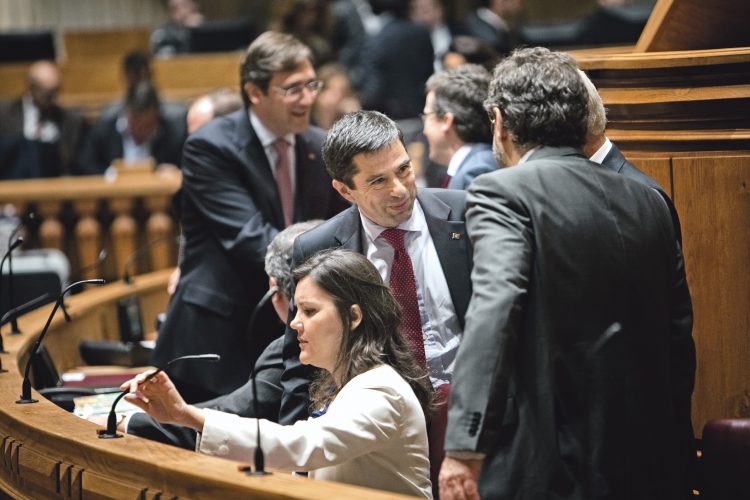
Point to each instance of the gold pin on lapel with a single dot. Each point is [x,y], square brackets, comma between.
[455,236]
[311,156]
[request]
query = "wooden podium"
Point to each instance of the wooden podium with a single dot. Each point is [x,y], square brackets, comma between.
[679,108]
[49,453]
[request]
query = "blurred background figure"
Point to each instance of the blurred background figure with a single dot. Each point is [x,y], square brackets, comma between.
[139,132]
[205,108]
[173,37]
[431,13]
[336,97]
[493,22]
[310,21]
[467,49]
[38,137]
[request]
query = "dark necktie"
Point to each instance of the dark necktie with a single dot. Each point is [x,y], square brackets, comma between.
[284,179]
[404,287]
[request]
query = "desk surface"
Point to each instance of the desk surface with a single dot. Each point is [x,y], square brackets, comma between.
[47,452]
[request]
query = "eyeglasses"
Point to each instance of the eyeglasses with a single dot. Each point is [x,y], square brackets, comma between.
[296,90]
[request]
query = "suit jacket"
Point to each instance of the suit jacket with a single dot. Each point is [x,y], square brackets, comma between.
[24,159]
[104,144]
[562,250]
[498,39]
[244,402]
[373,434]
[230,213]
[616,162]
[444,212]
[480,160]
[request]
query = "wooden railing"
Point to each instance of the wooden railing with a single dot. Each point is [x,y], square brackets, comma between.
[82,215]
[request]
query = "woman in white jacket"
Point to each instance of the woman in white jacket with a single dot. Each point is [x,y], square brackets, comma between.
[372,395]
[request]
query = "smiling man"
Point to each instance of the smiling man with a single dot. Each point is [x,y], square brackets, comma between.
[246,176]
[415,238]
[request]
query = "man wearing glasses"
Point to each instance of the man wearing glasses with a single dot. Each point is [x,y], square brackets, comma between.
[246,176]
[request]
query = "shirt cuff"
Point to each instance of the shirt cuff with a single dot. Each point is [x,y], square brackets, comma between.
[465,455]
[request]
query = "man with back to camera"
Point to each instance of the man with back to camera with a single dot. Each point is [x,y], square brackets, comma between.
[455,124]
[415,237]
[549,399]
[246,176]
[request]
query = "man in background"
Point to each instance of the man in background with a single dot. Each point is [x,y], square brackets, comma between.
[455,124]
[575,372]
[38,137]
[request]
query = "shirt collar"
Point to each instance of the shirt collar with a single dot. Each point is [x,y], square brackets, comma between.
[526,156]
[458,158]
[265,135]
[602,152]
[416,223]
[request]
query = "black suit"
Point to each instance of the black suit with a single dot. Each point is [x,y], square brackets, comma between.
[230,213]
[21,158]
[444,213]
[104,144]
[476,27]
[562,249]
[243,402]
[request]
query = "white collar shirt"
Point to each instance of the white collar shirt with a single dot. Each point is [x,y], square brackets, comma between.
[33,129]
[131,151]
[441,328]
[602,152]
[458,158]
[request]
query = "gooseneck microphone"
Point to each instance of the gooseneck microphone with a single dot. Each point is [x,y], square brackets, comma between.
[111,431]
[12,245]
[26,387]
[17,311]
[259,458]
[81,272]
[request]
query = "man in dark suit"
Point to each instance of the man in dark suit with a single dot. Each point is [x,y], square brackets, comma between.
[246,176]
[38,137]
[455,124]
[490,23]
[549,400]
[245,401]
[365,154]
[140,132]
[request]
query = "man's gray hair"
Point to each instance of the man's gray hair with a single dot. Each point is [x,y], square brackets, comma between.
[355,133]
[279,254]
[461,91]
[596,121]
[541,98]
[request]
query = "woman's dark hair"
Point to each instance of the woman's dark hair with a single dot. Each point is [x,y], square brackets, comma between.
[349,278]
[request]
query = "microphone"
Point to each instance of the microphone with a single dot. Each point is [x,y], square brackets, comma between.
[8,255]
[111,431]
[81,272]
[131,258]
[17,311]
[259,457]
[26,386]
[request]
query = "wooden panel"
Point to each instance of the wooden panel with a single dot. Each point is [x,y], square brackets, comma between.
[111,43]
[712,195]
[658,169]
[696,24]
[99,487]
[38,473]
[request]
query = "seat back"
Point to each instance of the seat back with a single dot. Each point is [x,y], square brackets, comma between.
[725,459]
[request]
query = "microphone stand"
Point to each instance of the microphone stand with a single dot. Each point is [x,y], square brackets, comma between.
[15,312]
[81,272]
[111,431]
[11,246]
[259,457]
[26,386]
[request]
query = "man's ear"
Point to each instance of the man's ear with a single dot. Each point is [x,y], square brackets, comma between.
[343,190]
[447,122]
[501,131]
[253,92]
[355,316]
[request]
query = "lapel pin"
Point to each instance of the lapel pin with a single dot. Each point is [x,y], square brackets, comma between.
[455,236]
[311,156]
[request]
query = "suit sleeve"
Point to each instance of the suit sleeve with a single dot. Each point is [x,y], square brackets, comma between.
[500,232]
[296,378]
[212,181]
[362,420]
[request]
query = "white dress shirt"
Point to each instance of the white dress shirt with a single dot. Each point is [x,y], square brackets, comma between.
[458,158]
[33,129]
[440,325]
[602,152]
[267,138]
[131,151]
[373,435]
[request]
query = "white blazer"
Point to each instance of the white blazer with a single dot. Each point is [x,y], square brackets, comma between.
[373,434]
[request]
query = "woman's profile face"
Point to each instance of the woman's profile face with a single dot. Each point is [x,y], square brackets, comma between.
[318,325]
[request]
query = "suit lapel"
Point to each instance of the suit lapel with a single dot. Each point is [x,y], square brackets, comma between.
[259,170]
[452,246]
[614,159]
[349,231]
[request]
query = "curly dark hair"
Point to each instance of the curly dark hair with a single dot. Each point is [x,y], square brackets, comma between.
[349,278]
[541,98]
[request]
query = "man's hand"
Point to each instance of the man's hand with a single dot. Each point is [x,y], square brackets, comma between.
[458,479]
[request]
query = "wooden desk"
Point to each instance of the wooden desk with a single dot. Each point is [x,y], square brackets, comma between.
[48,453]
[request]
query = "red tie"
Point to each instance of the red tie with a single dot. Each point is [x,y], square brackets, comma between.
[284,179]
[404,288]
[446,181]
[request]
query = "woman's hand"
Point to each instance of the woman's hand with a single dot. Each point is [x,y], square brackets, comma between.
[159,398]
